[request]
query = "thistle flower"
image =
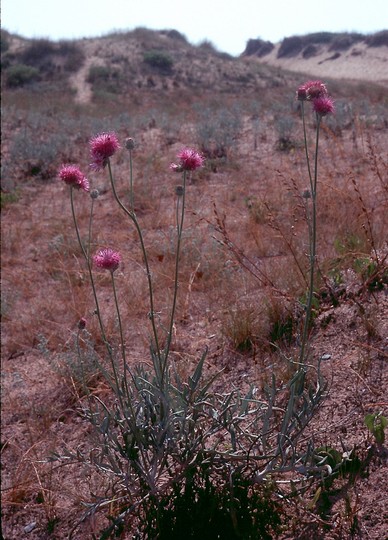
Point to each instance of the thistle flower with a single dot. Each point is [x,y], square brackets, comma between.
[189,160]
[72,176]
[102,147]
[323,105]
[107,259]
[311,90]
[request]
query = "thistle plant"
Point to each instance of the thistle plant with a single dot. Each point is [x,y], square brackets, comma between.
[322,104]
[164,438]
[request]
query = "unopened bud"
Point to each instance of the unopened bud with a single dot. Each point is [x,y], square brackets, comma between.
[129,143]
[82,323]
[179,191]
[94,193]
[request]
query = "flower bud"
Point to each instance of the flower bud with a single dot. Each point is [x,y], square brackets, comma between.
[82,323]
[179,191]
[129,143]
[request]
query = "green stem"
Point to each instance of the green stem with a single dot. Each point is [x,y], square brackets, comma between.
[89,265]
[76,224]
[312,248]
[131,200]
[88,262]
[90,229]
[132,216]
[80,358]
[179,226]
[131,418]
[121,333]
[306,146]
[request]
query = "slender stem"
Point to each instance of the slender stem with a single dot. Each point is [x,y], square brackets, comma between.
[121,333]
[177,213]
[90,228]
[89,265]
[312,247]
[79,355]
[306,146]
[131,200]
[131,418]
[179,226]
[132,216]
[76,224]
[87,258]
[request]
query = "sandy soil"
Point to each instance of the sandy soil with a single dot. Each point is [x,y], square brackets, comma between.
[360,62]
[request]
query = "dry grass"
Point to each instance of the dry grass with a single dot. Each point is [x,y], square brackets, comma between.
[239,284]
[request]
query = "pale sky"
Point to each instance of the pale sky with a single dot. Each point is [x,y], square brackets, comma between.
[228,24]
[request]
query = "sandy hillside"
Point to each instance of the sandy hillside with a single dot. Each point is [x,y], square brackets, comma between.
[360,62]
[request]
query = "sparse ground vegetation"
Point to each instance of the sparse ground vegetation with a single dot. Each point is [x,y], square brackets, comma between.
[243,291]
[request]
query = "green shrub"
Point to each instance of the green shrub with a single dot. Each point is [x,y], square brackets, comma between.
[99,74]
[174,34]
[50,58]
[290,47]
[38,52]
[241,328]
[378,40]
[284,125]
[7,198]
[350,243]
[310,50]
[36,156]
[105,80]
[73,54]
[318,37]
[159,60]
[282,330]
[342,42]
[216,131]
[20,74]
[258,47]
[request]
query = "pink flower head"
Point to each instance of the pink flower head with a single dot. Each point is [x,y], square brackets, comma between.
[311,90]
[102,147]
[107,259]
[323,105]
[72,176]
[189,160]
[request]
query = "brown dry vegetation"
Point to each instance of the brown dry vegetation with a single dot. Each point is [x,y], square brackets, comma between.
[243,264]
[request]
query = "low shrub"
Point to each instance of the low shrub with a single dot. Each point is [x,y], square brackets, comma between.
[20,75]
[342,42]
[284,126]
[37,53]
[159,60]
[290,47]
[310,51]
[318,37]
[174,34]
[103,74]
[217,130]
[379,39]
[52,59]
[258,47]
[74,55]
